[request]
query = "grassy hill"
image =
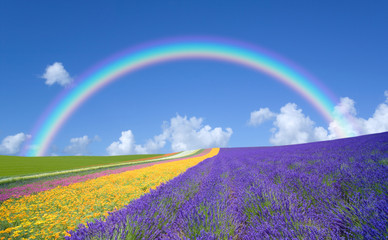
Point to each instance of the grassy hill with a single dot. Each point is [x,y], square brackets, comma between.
[16,166]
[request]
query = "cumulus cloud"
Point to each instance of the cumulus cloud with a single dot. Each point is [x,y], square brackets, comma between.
[257,117]
[379,121]
[125,145]
[291,126]
[79,146]
[182,133]
[360,126]
[345,111]
[152,145]
[188,134]
[12,144]
[56,73]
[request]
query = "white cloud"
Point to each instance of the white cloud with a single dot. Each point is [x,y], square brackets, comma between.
[11,144]
[257,117]
[189,134]
[78,146]
[345,111]
[152,145]
[346,106]
[291,126]
[181,132]
[379,121]
[126,145]
[360,126]
[56,73]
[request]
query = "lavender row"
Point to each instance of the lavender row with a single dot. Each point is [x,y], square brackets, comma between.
[326,190]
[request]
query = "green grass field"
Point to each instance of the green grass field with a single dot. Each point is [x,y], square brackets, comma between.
[18,166]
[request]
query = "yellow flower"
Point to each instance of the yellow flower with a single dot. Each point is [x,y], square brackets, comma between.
[51,213]
[7,230]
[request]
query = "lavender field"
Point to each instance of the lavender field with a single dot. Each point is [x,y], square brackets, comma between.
[325,190]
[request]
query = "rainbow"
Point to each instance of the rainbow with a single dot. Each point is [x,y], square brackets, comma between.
[131,60]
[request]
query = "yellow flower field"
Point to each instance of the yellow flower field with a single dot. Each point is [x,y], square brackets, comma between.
[49,214]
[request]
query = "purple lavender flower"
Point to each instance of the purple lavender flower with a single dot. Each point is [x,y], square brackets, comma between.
[325,190]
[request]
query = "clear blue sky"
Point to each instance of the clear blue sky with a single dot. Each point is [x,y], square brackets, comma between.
[342,43]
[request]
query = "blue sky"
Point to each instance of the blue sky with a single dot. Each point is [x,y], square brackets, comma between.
[343,44]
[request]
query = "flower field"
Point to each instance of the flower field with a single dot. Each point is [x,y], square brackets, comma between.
[27,189]
[49,214]
[325,190]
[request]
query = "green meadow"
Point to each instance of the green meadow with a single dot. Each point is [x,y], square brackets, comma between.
[18,166]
